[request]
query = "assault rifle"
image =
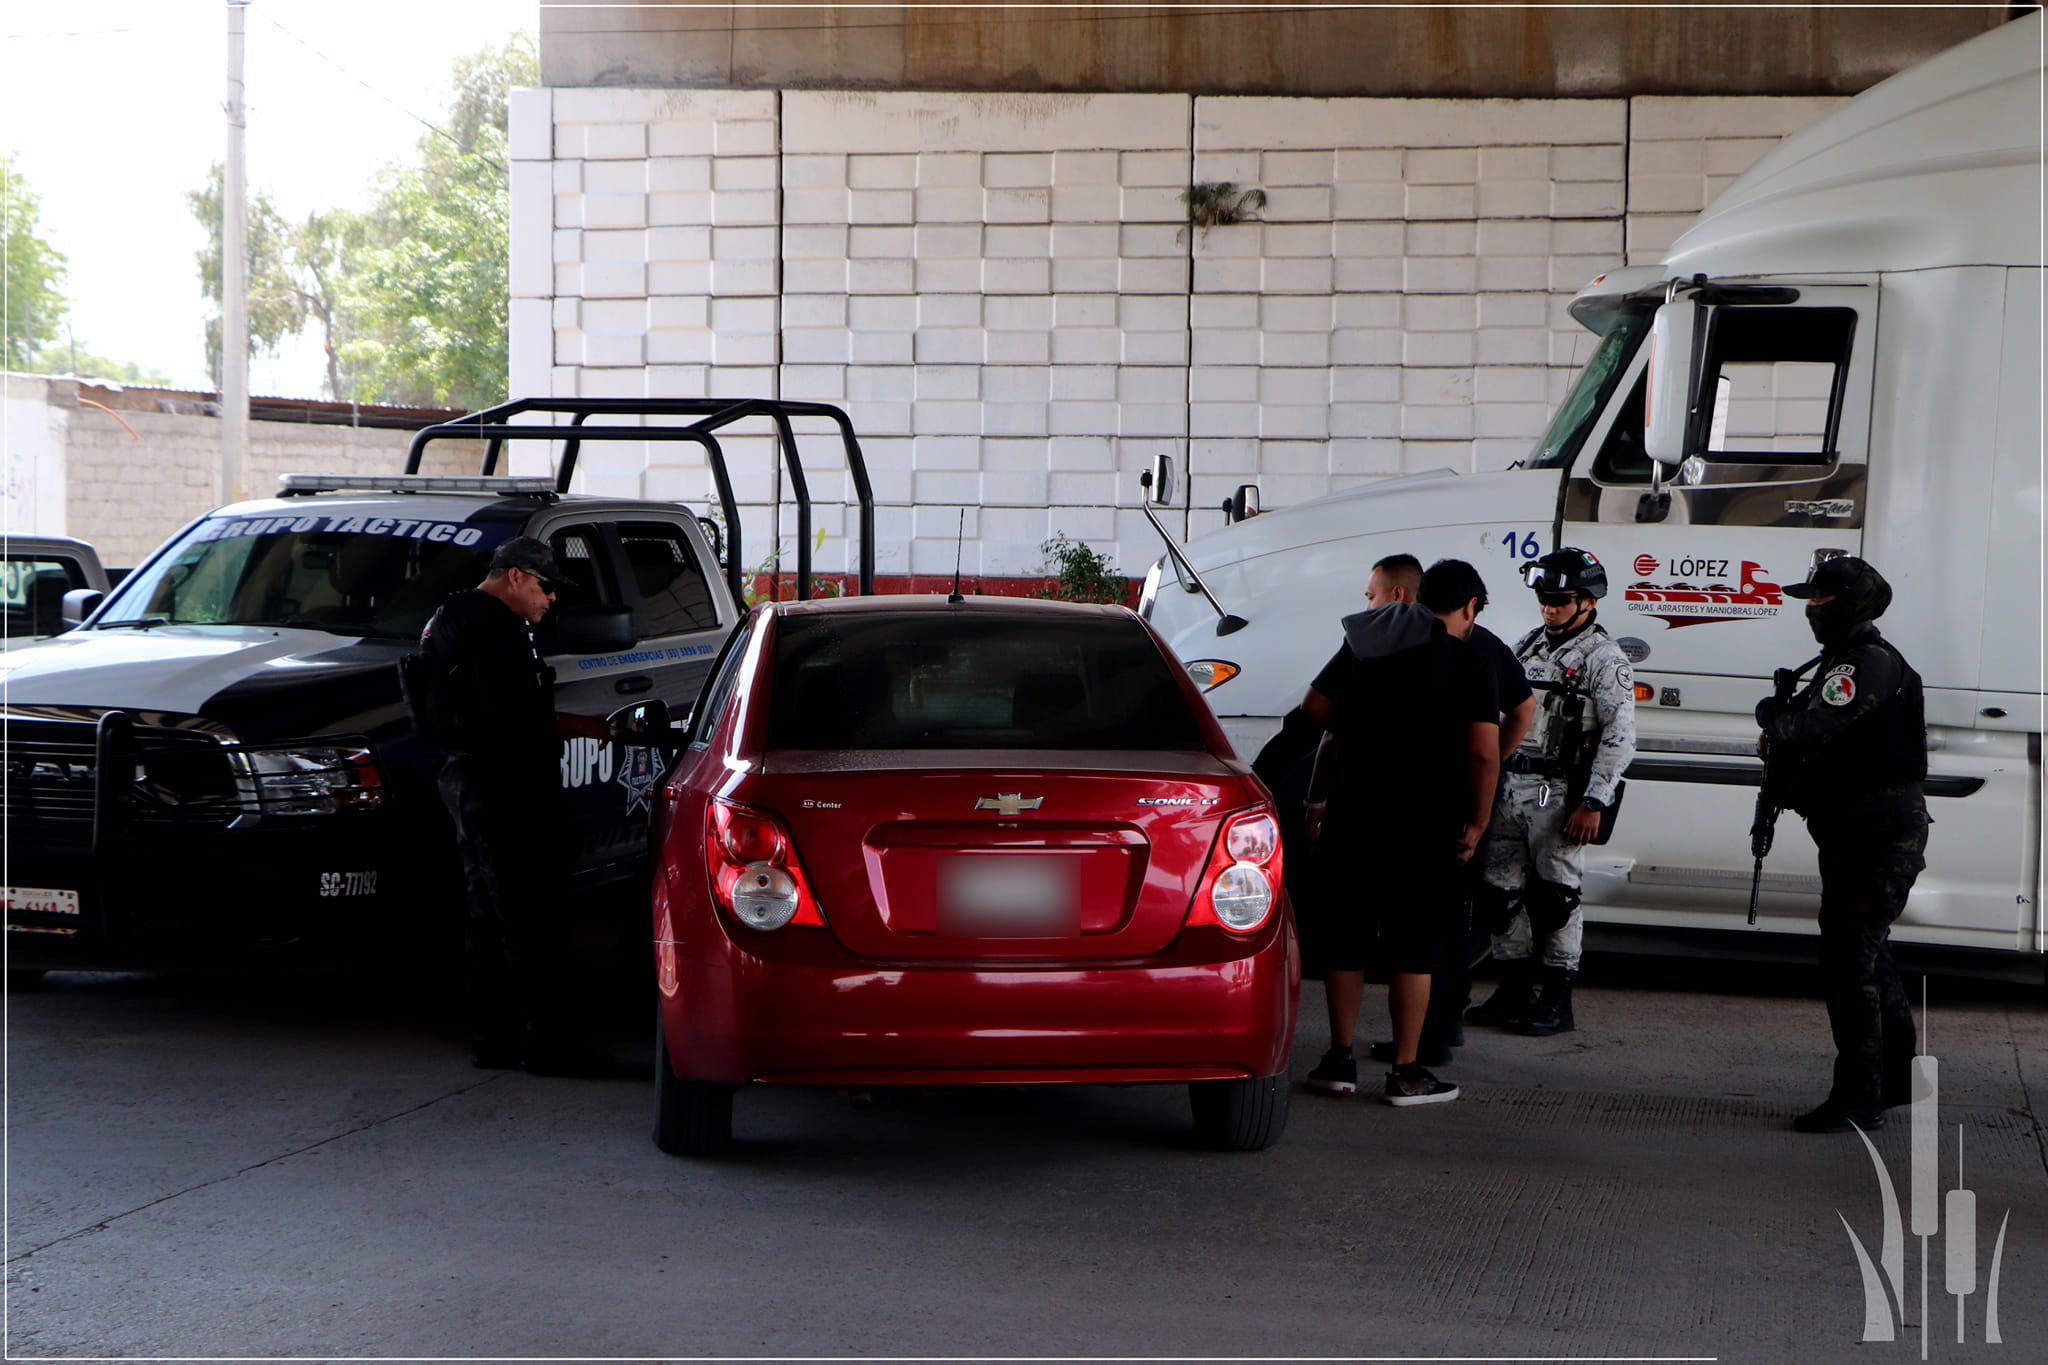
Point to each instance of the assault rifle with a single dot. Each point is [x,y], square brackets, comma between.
[1776,785]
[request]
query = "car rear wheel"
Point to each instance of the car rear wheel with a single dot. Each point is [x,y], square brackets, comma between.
[1247,1115]
[691,1118]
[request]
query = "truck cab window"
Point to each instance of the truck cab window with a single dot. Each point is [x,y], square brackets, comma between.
[1774,378]
[1621,458]
[577,551]
[669,591]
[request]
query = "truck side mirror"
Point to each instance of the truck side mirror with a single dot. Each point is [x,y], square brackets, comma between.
[1159,482]
[78,604]
[1243,503]
[587,630]
[1671,395]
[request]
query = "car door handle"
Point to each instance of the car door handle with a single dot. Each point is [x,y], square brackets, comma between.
[627,687]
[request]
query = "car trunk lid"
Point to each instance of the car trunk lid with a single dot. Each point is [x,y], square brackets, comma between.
[992,856]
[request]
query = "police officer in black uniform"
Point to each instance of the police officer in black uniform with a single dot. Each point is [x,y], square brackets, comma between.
[1855,740]
[493,711]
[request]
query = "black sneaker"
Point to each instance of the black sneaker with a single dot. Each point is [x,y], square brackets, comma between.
[1336,1074]
[1835,1118]
[1418,1087]
[1428,1054]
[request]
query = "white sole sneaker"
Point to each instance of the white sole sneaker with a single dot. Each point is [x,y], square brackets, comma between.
[1442,1092]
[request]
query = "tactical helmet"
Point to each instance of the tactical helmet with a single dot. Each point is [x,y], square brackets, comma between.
[1567,569]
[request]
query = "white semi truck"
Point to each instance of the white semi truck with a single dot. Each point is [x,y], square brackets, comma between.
[1848,358]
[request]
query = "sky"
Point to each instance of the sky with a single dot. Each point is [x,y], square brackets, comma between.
[114,109]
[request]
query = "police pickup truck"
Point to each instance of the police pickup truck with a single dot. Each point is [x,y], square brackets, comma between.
[218,756]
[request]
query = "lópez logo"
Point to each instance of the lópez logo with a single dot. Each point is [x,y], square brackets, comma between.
[1646,565]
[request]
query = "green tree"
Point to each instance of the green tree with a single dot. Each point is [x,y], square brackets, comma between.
[276,310]
[35,304]
[427,289]
[409,297]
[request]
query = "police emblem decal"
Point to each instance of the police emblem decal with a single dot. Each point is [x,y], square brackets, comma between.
[639,775]
[1838,690]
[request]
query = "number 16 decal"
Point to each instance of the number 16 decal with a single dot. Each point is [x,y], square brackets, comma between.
[1521,544]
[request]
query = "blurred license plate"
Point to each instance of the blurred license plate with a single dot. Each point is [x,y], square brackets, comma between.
[1010,897]
[39,900]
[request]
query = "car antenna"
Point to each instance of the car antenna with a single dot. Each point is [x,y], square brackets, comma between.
[959,542]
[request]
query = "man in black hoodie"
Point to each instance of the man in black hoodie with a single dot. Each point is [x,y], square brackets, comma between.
[1412,772]
[1856,742]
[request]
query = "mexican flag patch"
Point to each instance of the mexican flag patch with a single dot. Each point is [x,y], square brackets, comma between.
[1838,690]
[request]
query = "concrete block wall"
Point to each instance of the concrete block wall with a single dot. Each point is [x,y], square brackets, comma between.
[128,493]
[1004,292]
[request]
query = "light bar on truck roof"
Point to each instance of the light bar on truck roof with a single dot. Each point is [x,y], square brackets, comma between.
[415,483]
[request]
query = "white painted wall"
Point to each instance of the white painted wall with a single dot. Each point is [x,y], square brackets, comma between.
[31,458]
[1004,293]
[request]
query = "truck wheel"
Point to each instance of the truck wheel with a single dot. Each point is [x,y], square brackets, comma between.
[1246,1115]
[691,1118]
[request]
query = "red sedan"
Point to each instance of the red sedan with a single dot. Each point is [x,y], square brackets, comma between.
[914,841]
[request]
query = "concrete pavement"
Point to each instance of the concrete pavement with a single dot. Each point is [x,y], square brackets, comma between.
[307,1166]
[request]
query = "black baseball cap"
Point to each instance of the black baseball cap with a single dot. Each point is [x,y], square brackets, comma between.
[534,556]
[1842,576]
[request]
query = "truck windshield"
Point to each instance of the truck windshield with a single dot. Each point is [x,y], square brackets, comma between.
[1559,444]
[347,575]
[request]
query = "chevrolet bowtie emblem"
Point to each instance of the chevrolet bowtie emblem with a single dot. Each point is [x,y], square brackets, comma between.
[1009,803]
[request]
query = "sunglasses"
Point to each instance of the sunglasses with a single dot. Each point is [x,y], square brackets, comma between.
[547,585]
[1557,599]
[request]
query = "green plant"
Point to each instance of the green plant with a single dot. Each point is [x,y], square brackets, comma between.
[1219,203]
[1080,573]
[764,582]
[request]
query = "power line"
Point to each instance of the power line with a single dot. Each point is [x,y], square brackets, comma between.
[429,125]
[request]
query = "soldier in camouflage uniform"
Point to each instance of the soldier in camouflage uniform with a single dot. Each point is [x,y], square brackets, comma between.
[1855,741]
[1559,784]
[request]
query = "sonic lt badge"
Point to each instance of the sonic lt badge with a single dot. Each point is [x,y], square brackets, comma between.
[1009,803]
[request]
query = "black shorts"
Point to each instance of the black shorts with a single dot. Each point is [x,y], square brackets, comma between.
[1402,911]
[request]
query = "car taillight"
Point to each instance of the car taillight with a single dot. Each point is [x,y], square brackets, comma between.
[754,870]
[1242,883]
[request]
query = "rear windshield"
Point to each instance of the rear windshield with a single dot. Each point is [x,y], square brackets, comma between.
[346,574]
[974,680]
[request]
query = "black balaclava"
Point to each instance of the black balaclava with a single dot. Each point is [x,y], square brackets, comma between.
[1864,600]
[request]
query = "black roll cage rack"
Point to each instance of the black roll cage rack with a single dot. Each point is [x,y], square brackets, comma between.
[495,426]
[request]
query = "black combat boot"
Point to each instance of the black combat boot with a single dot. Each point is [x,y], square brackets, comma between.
[1511,999]
[1553,1009]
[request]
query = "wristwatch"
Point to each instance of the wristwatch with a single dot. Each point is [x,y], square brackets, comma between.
[1594,804]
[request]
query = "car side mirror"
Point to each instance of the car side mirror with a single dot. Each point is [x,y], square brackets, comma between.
[1158,482]
[1242,504]
[587,630]
[644,722]
[79,603]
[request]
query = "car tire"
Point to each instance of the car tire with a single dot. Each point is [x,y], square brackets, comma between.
[1247,1115]
[691,1118]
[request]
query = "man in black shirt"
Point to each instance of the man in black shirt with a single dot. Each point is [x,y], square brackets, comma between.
[1855,741]
[1448,589]
[501,783]
[1414,762]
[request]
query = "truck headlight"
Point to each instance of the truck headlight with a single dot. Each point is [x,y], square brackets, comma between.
[313,779]
[1210,674]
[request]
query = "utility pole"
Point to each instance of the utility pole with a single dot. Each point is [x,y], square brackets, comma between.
[234,292]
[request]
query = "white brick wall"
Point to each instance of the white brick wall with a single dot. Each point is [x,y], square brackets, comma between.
[1002,291]
[995,288]
[1683,151]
